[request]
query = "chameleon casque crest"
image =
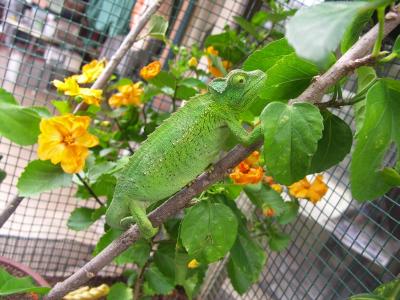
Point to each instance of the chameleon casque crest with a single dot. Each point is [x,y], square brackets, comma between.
[182,147]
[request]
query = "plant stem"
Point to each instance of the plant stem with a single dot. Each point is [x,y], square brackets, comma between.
[378,42]
[9,210]
[89,189]
[131,151]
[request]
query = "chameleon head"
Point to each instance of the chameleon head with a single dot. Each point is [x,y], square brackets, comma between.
[238,89]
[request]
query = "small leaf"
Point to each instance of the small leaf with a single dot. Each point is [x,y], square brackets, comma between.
[379,129]
[261,195]
[389,290]
[183,92]
[247,26]
[120,291]
[278,241]
[391,176]
[63,107]
[158,281]
[158,27]
[106,239]
[396,46]
[193,82]
[80,218]
[3,175]
[334,145]
[315,31]
[18,124]
[215,226]
[164,258]
[286,79]
[266,57]
[138,253]
[164,79]
[290,212]
[15,285]
[40,176]
[291,134]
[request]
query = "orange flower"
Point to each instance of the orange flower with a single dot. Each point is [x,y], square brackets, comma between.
[211,50]
[65,139]
[90,71]
[129,94]
[193,264]
[247,172]
[151,70]
[310,191]
[269,212]
[213,69]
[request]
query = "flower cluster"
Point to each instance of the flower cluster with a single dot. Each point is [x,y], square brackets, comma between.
[311,191]
[151,70]
[129,94]
[248,171]
[65,139]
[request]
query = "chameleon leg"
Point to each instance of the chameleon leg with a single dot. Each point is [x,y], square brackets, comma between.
[139,217]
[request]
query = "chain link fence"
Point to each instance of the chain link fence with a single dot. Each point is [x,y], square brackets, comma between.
[339,247]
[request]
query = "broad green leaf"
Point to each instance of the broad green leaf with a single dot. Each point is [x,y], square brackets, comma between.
[291,134]
[40,176]
[120,291]
[157,281]
[164,79]
[366,76]
[263,196]
[380,127]
[42,111]
[391,176]
[3,175]
[290,212]
[262,16]
[389,290]
[105,185]
[18,124]
[164,258]
[229,45]
[10,284]
[315,31]
[247,26]
[193,82]
[366,297]
[208,231]
[158,27]
[278,241]
[81,218]
[98,169]
[266,57]
[355,29]
[137,253]
[286,79]
[106,239]
[246,260]
[334,145]
[184,92]
[396,46]
[62,107]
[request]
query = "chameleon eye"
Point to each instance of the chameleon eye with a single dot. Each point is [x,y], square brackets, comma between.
[239,80]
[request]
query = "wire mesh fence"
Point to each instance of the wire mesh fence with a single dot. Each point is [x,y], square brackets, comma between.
[339,247]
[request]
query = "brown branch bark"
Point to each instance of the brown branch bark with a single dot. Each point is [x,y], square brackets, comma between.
[342,67]
[9,210]
[313,94]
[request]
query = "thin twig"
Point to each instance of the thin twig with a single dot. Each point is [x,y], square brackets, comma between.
[89,189]
[9,210]
[182,198]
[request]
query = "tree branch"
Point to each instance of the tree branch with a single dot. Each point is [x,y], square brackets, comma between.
[180,200]
[341,68]
[9,210]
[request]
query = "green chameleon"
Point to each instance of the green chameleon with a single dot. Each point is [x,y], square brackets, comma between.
[182,147]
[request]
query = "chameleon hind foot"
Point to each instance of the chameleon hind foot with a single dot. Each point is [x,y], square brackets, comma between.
[140,218]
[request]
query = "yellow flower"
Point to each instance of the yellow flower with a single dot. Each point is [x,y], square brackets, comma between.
[193,264]
[64,139]
[211,50]
[193,62]
[151,70]
[69,87]
[247,172]
[129,94]
[90,96]
[276,187]
[310,191]
[90,71]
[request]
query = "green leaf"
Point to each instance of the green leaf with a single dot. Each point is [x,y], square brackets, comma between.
[366,297]
[120,291]
[291,134]
[81,218]
[290,212]
[389,290]
[18,124]
[380,128]
[3,175]
[100,168]
[366,76]
[138,253]
[266,57]
[164,79]
[62,107]
[193,83]
[247,26]
[286,79]
[391,176]
[334,145]
[106,239]
[40,176]
[354,31]
[10,284]
[184,92]
[315,31]
[396,46]
[246,260]
[278,241]
[263,196]
[158,27]
[208,231]
[158,281]
[164,258]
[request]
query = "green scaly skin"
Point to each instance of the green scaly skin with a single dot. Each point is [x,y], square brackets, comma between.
[182,147]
